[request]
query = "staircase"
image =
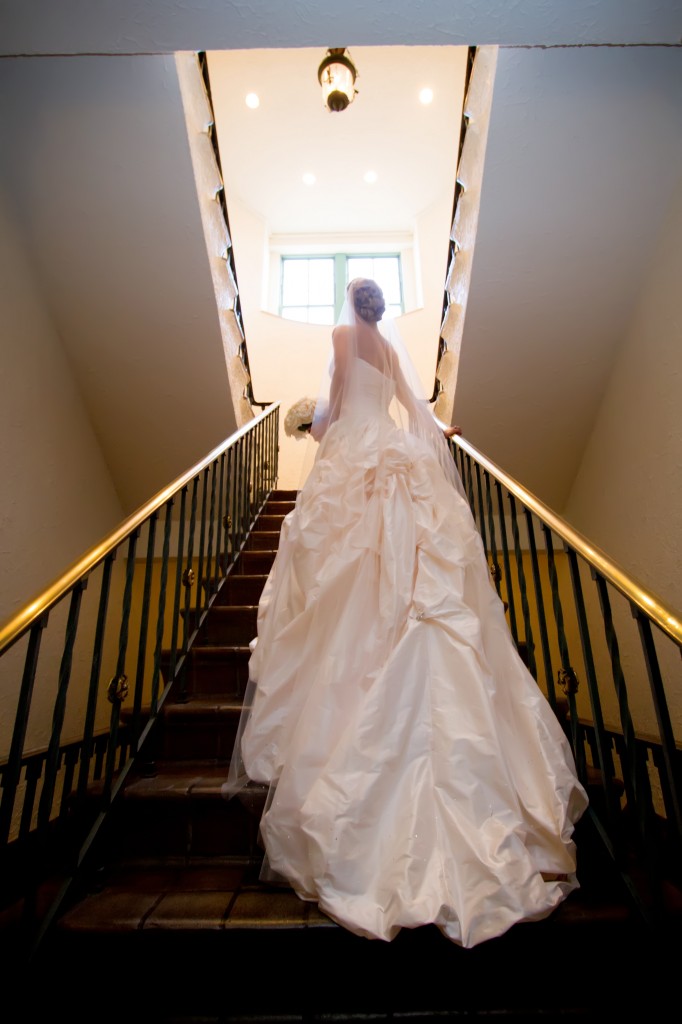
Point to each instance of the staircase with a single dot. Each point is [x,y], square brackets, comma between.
[171,923]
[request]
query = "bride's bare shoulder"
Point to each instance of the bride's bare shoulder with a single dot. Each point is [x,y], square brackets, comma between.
[341,339]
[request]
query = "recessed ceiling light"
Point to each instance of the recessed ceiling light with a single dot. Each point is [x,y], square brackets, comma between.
[309,179]
[252,100]
[425,96]
[371,177]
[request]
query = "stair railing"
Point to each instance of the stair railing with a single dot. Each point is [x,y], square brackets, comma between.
[114,630]
[606,653]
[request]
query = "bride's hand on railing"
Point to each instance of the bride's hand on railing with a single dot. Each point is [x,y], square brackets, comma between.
[451,431]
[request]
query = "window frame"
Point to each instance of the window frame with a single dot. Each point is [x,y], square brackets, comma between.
[341,260]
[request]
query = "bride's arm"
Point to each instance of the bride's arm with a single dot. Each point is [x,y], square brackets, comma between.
[405,395]
[448,431]
[340,342]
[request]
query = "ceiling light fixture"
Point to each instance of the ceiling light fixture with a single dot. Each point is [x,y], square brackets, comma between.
[336,74]
[426,96]
[308,178]
[371,177]
[252,100]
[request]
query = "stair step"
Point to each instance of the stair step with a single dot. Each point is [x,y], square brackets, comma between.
[254,562]
[242,588]
[179,816]
[262,540]
[279,508]
[283,495]
[269,521]
[232,625]
[218,670]
[201,727]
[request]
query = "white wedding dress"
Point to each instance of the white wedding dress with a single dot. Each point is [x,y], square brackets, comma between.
[419,775]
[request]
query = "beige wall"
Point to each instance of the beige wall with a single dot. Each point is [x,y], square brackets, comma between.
[627,495]
[58,496]
[99,172]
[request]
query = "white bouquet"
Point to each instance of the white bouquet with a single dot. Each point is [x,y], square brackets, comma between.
[299,419]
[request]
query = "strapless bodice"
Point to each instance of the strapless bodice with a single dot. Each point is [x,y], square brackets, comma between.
[371,391]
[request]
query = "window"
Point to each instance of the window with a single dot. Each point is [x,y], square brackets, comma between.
[313,287]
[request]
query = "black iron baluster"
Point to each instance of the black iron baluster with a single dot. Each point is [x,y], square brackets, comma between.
[635,775]
[219,533]
[470,486]
[671,756]
[540,604]
[210,577]
[33,775]
[481,518]
[509,589]
[249,483]
[70,760]
[135,725]
[227,523]
[272,451]
[494,568]
[567,678]
[118,687]
[201,581]
[93,689]
[179,561]
[530,644]
[12,771]
[603,749]
[235,452]
[189,579]
[53,759]
[161,612]
[244,489]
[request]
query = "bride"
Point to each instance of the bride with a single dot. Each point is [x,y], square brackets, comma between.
[417,775]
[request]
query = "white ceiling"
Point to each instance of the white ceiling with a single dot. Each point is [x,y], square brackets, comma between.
[411,147]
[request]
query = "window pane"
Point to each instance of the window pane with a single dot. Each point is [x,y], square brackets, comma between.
[321,282]
[385,270]
[387,276]
[294,282]
[321,315]
[359,266]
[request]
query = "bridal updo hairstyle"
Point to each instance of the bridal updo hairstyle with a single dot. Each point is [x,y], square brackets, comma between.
[368,299]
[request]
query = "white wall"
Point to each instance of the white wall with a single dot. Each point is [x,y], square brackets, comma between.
[57,494]
[627,495]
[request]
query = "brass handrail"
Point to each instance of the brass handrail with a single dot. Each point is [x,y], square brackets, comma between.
[15,627]
[667,618]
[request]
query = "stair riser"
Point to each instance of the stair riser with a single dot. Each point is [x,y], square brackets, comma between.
[189,828]
[229,626]
[262,540]
[242,589]
[214,673]
[198,737]
[270,523]
[225,676]
[253,563]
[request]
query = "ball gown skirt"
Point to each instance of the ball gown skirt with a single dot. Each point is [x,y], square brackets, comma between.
[417,773]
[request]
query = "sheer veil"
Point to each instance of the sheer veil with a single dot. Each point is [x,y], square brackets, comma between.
[363,335]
